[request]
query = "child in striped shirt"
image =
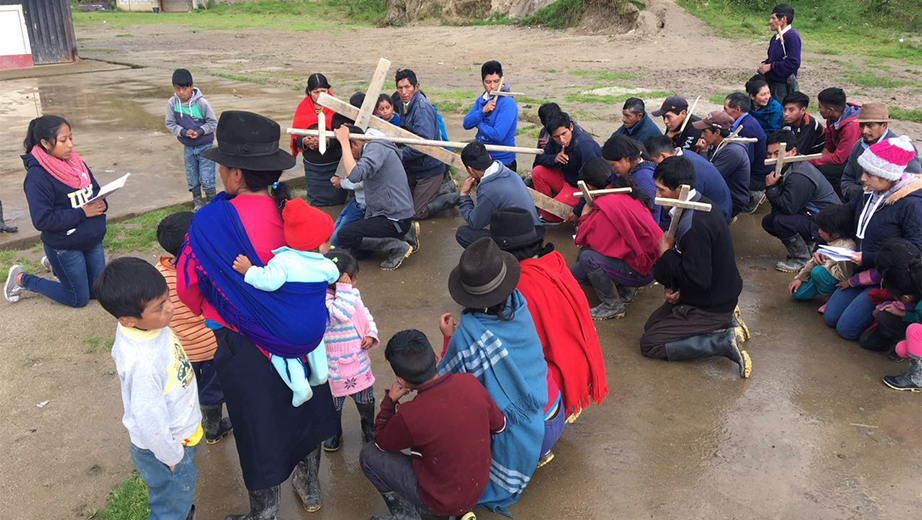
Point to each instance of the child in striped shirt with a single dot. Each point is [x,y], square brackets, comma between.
[350,333]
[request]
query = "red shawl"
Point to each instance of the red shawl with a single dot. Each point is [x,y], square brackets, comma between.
[560,311]
[621,227]
[305,116]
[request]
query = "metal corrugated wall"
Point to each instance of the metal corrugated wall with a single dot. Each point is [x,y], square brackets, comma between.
[51,29]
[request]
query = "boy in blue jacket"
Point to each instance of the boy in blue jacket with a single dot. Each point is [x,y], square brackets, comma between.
[495,117]
[190,118]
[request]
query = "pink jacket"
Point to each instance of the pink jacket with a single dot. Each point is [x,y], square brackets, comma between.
[350,322]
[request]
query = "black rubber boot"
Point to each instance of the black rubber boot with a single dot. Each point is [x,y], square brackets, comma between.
[335,442]
[216,427]
[611,306]
[264,505]
[367,413]
[798,255]
[412,236]
[396,250]
[448,186]
[197,201]
[306,481]
[3,227]
[718,343]
[400,508]
[911,379]
[627,293]
[442,202]
[208,196]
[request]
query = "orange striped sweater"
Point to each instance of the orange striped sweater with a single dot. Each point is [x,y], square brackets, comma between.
[197,340]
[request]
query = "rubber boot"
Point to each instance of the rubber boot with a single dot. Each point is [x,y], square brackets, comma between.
[756,198]
[911,379]
[3,227]
[400,508]
[739,323]
[367,413]
[718,343]
[448,186]
[611,306]
[412,236]
[627,293]
[442,202]
[197,201]
[216,427]
[306,481]
[335,442]
[798,255]
[209,195]
[396,250]
[264,505]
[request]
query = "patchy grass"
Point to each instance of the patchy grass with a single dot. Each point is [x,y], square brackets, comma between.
[718,99]
[906,114]
[447,101]
[604,99]
[126,501]
[604,75]
[93,344]
[124,36]
[138,234]
[871,79]
[830,27]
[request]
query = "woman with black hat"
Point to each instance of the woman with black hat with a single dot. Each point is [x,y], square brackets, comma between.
[496,342]
[318,168]
[272,436]
[560,312]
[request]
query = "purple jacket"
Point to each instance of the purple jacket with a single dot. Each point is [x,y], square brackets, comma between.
[785,60]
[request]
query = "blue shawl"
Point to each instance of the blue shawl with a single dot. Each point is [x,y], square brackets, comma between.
[289,322]
[507,358]
[770,117]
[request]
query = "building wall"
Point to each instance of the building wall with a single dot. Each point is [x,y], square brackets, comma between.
[15,50]
[137,5]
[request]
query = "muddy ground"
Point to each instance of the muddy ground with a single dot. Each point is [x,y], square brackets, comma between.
[813,434]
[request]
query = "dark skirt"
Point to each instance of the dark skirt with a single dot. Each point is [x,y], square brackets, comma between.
[319,190]
[271,434]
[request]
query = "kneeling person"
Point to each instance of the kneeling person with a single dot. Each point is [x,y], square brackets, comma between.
[698,270]
[498,188]
[446,427]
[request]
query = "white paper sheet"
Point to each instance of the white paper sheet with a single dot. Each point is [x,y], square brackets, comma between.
[110,188]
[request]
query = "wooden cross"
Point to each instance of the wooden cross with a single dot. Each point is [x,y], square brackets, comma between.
[418,142]
[782,160]
[733,138]
[589,194]
[506,94]
[322,131]
[542,201]
[680,205]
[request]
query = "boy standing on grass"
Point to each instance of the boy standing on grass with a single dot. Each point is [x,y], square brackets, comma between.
[158,385]
[198,341]
[190,118]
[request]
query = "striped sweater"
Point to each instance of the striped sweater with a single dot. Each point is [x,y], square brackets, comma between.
[197,340]
[350,322]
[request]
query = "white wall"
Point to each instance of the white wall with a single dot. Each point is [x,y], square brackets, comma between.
[137,5]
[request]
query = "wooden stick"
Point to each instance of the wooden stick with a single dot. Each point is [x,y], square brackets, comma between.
[606,191]
[796,158]
[779,163]
[584,191]
[506,94]
[499,89]
[684,204]
[426,142]
[689,114]
[677,214]
[740,140]
[368,104]
[542,201]
[322,133]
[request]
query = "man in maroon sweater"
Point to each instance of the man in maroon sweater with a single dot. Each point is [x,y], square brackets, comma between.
[446,427]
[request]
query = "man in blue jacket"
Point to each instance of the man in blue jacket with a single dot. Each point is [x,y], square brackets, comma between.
[424,172]
[708,181]
[636,124]
[495,117]
[498,188]
[737,106]
[556,171]
[780,68]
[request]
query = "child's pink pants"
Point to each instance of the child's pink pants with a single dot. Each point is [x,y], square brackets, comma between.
[913,342]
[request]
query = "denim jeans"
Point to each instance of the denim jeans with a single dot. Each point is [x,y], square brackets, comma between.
[76,269]
[169,493]
[850,311]
[351,213]
[821,282]
[391,472]
[199,170]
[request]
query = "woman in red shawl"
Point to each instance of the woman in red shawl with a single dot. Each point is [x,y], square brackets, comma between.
[560,311]
[618,239]
[318,168]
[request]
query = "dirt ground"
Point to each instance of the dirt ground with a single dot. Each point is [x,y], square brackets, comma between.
[813,434]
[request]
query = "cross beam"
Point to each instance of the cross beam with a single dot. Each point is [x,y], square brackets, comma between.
[415,142]
[680,204]
[786,160]
[590,195]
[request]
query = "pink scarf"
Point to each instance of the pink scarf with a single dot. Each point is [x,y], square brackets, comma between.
[72,172]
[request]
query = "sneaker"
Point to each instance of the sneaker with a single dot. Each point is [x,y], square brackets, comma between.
[47,264]
[550,223]
[11,290]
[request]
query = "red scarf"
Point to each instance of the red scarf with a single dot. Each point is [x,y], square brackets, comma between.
[560,311]
[621,227]
[72,172]
[305,116]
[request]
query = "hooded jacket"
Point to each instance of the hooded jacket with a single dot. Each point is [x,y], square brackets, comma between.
[801,190]
[841,136]
[503,189]
[582,149]
[419,116]
[56,211]
[196,114]
[899,215]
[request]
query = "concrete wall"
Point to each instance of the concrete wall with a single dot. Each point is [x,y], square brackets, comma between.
[137,5]
[165,5]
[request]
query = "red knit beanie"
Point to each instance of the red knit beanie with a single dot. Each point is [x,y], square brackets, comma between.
[305,227]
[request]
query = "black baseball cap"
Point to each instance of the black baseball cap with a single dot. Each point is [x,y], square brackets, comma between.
[674,104]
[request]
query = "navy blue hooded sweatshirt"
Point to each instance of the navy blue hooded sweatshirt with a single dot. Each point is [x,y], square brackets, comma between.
[55,209]
[582,149]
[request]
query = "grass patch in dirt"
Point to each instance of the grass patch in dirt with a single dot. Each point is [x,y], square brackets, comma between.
[303,16]
[906,114]
[95,343]
[603,75]
[829,26]
[871,79]
[138,234]
[126,501]
[451,100]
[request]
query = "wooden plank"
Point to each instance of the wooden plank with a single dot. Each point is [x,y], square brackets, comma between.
[606,191]
[677,215]
[684,204]
[506,94]
[368,104]
[426,142]
[542,201]
[796,158]
[321,133]
[779,164]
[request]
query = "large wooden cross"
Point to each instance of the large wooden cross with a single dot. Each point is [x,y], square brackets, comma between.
[339,106]
[324,134]
[782,160]
[680,204]
[368,107]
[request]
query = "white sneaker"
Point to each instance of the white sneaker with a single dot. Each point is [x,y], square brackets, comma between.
[12,290]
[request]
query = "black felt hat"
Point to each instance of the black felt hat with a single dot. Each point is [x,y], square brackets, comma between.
[514,228]
[250,142]
[485,276]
